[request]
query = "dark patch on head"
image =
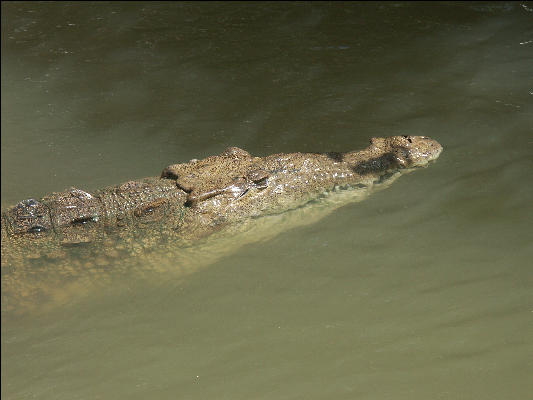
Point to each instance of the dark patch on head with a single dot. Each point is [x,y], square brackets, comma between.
[400,157]
[167,173]
[378,164]
[185,189]
[335,156]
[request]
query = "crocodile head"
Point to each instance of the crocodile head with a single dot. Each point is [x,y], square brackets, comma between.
[410,151]
[394,153]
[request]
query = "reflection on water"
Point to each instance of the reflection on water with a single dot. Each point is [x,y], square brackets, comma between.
[422,291]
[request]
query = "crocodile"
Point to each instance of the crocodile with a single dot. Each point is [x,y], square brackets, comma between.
[70,238]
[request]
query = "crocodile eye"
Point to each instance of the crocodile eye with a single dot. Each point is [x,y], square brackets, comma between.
[144,211]
[30,202]
[152,211]
[37,229]
[83,220]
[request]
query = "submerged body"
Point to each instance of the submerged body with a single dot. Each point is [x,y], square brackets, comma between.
[75,233]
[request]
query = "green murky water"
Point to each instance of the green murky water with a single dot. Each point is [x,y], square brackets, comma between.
[423,291]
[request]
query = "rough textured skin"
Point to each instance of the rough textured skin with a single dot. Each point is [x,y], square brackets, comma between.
[75,216]
[235,186]
[72,235]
